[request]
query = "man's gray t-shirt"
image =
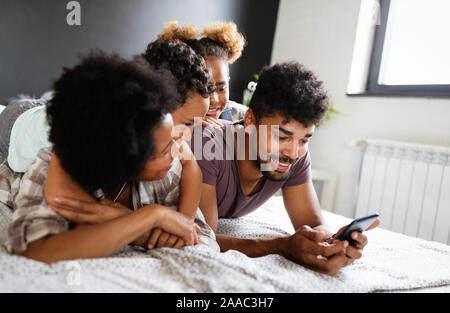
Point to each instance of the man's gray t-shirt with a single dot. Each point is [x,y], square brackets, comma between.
[224,174]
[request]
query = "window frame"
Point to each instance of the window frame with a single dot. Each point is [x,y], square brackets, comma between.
[373,87]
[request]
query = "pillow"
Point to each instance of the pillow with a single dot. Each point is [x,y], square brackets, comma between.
[28,131]
[29,134]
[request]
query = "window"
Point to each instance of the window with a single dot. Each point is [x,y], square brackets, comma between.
[410,52]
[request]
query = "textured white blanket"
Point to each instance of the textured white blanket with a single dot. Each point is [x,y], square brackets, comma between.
[391,261]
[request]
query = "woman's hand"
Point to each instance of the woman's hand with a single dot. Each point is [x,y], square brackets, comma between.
[162,239]
[176,224]
[83,212]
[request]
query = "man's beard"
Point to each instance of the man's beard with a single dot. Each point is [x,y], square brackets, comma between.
[275,175]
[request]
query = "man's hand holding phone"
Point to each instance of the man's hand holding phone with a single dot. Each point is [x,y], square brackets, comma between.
[309,248]
[353,233]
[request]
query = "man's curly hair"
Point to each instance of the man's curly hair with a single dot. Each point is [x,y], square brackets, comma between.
[292,91]
[102,117]
[187,67]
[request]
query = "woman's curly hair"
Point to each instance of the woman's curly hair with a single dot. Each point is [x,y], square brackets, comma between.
[187,67]
[291,90]
[221,39]
[102,117]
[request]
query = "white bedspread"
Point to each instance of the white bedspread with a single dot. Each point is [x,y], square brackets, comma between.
[390,262]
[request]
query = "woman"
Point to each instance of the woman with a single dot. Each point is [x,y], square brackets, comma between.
[220,44]
[192,81]
[110,126]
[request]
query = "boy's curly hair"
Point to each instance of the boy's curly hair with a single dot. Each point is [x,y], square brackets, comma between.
[221,39]
[187,67]
[102,117]
[292,91]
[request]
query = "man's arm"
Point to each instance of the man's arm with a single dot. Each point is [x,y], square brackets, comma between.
[303,247]
[303,207]
[250,247]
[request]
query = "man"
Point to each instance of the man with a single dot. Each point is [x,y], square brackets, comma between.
[288,103]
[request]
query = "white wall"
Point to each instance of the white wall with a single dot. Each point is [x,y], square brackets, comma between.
[320,34]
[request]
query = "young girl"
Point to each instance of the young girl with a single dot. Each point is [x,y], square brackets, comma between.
[220,44]
[111,131]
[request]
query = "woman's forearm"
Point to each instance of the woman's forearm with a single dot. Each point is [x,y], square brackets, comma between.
[93,241]
[58,183]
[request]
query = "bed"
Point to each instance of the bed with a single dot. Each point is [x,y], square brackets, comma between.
[391,262]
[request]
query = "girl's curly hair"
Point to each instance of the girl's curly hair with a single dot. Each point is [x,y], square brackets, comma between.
[187,67]
[221,39]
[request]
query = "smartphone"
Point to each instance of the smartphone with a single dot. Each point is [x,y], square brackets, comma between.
[359,225]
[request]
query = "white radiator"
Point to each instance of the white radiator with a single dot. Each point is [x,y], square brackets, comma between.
[409,185]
